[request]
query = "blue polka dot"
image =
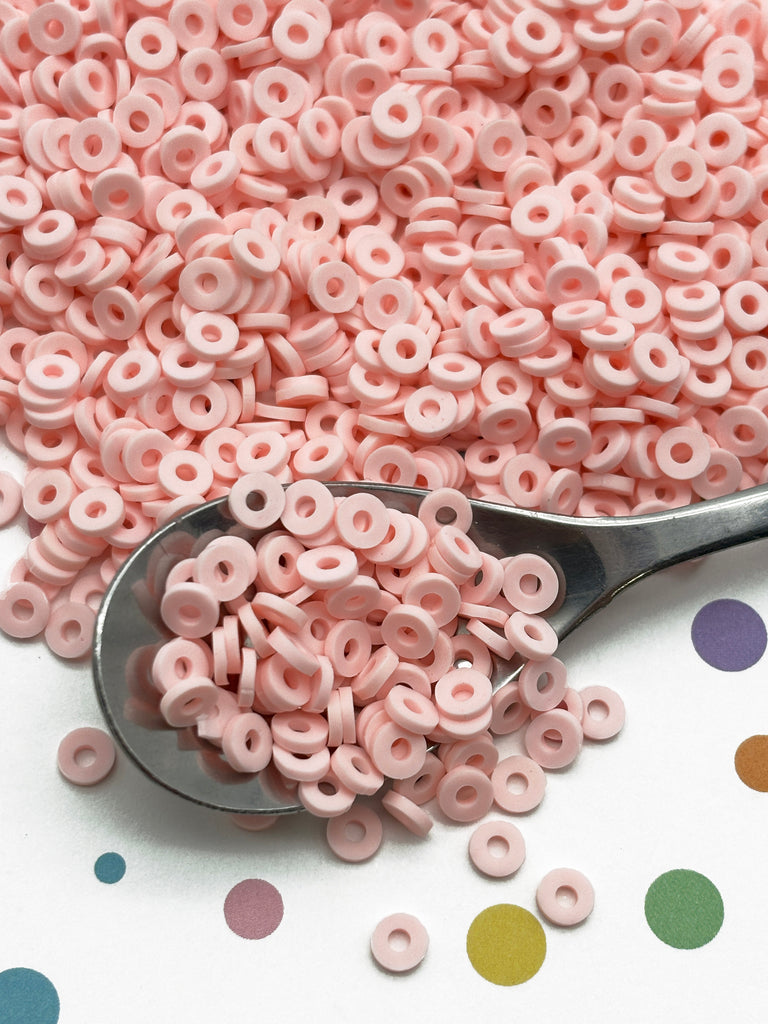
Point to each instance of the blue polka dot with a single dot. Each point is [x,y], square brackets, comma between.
[27,997]
[729,635]
[109,868]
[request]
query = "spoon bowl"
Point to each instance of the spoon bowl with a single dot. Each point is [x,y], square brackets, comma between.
[595,559]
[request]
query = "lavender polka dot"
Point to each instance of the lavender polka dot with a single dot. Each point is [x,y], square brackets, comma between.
[253,908]
[729,635]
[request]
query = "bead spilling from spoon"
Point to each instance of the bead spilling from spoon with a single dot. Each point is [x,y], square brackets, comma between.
[328,650]
[593,559]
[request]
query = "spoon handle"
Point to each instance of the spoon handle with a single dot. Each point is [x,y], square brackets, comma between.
[636,546]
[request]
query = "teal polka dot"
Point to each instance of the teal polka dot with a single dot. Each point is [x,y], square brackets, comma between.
[109,868]
[27,997]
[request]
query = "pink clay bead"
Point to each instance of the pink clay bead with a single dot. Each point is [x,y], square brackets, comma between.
[576,886]
[69,629]
[463,693]
[189,610]
[178,659]
[24,610]
[256,500]
[603,714]
[465,794]
[530,584]
[554,738]
[354,769]
[327,797]
[411,710]
[187,700]
[247,742]
[408,813]
[342,834]
[305,768]
[529,784]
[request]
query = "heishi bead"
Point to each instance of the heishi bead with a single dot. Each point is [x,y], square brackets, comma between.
[569,883]
[344,840]
[386,950]
[483,845]
[464,794]
[86,756]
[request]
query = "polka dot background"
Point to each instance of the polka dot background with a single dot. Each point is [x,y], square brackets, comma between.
[109,868]
[729,635]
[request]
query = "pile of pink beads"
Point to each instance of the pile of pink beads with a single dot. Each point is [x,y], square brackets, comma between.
[514,248]
[351,640]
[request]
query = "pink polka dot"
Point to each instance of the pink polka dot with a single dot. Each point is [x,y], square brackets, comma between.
[253,908]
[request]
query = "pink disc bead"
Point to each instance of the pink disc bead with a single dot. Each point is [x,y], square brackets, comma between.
[327,797]
[497,848]
[531,636]
[397,753]
[189,699]
[356,835]
[309,509]
[411,710]
[97,511]
[409,631]
[301,768]
[189,610]
[422,787]
[399,943]
[24,610]
[227,566]
[86,756]
[509,710]
[463,693]
[435,594]
[178,659]
[542,684]
[554,738]
[531,583]
[604,713]
[354,769]
[256,500]
[411,815]
[69,629]
[445,506]
[362,520]
[565,897]
[682,453]
[465,794]
[247,742]
[328,567]
[518,784]
[254,822]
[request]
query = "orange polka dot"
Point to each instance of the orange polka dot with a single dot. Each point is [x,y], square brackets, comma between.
[751,763]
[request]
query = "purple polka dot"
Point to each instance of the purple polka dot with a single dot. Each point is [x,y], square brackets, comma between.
[253,908]
[729,635]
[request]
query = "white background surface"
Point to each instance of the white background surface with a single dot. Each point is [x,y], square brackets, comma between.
[155,946]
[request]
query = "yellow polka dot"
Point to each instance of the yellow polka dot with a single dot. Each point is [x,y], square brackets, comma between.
[506,944]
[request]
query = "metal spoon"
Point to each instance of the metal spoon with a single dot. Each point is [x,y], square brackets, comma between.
[595,558]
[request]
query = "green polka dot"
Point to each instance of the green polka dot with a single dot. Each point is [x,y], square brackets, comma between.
[506,944]
[684,909]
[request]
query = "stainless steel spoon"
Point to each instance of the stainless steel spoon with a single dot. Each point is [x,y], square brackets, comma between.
[595,558]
